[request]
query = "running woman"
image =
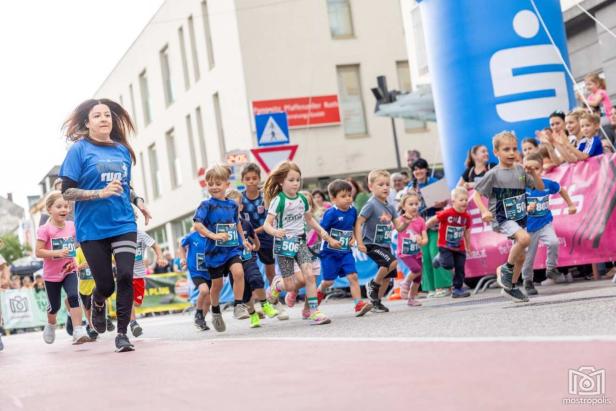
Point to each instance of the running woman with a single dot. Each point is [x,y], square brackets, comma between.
[288,215]
[96,174]
[55,243]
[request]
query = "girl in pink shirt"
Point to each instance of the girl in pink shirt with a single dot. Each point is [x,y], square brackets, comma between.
[598,97]
[55,243]
[410,242]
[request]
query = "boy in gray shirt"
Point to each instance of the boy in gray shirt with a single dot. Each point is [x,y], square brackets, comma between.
[505,187]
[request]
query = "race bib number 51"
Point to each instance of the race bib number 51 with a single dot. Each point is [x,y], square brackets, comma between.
[231,230]
[343,236]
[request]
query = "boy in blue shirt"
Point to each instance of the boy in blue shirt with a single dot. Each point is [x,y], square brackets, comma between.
[192,257]
[539,224]
[336,257]
[217,219]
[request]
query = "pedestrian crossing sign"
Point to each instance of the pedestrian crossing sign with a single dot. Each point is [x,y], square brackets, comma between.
[272,129]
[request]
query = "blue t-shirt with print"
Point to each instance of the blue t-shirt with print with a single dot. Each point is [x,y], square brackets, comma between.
[591,146]
[339,224]
[255,211]
[541,215]
[195,256]
[218,216]
[93,167]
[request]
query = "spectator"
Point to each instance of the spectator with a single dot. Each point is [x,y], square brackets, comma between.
[5,272]
[360,197]
[589,142]
[477,165]
[411,157]
[15,283]
[39,283]
[610,128]
[168,268]
[597,97]
[406,176]
[607,146]
[397,189]
[26,282]
[320,205]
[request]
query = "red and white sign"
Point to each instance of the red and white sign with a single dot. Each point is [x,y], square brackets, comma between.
[201,177]
[270,157]
[302,111]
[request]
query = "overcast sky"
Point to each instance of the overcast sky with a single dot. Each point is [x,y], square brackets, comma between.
[55,54]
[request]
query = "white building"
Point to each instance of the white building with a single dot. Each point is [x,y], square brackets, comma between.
[190,80]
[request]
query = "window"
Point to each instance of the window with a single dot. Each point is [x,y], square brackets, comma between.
[132,105]
[208,34]
[351,102]
[145,185]
[175,169]
[160,236]
[166,75]
[340,19]
[404,85]
[145,97]
[182,226]
[420,42]
[183,55]
[219,128]
[193,47]
[201,136]
[154,171]
[191,146]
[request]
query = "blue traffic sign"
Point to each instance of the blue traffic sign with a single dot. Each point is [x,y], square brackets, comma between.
[272,129]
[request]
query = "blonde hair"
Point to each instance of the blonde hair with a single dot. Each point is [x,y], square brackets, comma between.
[217,172]
[501,137]
[593,118]
[273,184]
[233,194]
[405,197]
[594,77]
[51,198]
[374,174]
[458,191]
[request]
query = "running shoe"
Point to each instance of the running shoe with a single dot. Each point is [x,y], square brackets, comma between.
[529,287]
[318,318]
[504,277]
[69,325]
[320,296]
[91,333]
[460,293]
[441,293]
[305,313]
[200,321]
[110,325]
[273,291]
[218,322]
[240,312]
[269,310]
[282,313]
[405,287]
[413,303]
[254,320]
[361,308]
[378,307]
[372,289]
[550,281]
[431,294]
[80,336]
[552,273]
[515,294]
[98,317]
[569,277]
[49,333]
[290,299]
[123,343]
[135,328]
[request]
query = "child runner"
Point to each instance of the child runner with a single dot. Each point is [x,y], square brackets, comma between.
[454,239]
[410,242]
[86,285]
[253,280]
[217,220]
[373,232]
[505,187]
[336,256]
[540,224]
[55,243]
[288,215]
[192,256]
[144,241]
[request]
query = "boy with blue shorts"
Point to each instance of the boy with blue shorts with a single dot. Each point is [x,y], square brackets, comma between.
[192,257]
[336,256]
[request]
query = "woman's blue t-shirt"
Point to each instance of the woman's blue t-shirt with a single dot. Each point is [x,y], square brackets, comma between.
[94,166]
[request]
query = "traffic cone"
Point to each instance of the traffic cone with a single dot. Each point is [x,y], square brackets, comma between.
[395,294]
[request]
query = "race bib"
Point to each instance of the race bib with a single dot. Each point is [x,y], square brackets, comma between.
[410,247]
[85,274]
[230,229]
[344,237]
[201,262]
[246,254]
[382,234]
[515,207]
[453,236]
[139,251]
[286,246]
[66,243]
[542,206]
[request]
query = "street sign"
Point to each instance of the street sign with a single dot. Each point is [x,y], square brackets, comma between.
[201,177]
[270,157]
[303,111]
[272,129]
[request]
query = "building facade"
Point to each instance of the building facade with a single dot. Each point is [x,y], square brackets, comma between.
[192,77]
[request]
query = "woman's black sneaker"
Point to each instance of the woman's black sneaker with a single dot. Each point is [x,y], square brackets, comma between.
[378,307]
[123,344]
[91,333]
[110,325]
[98,317]
[69,325]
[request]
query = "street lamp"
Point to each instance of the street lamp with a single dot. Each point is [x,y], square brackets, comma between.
[384,96]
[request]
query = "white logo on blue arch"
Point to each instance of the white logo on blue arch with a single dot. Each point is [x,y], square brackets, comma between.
[529,82]
[272,129]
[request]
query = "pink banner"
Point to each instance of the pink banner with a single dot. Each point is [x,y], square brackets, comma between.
[586,237]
